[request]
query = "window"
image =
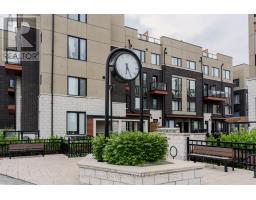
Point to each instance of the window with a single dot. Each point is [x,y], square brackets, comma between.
[137,103]
[236,99]
[205,89]
[77,86]
[169,123]
[145,103]
[236,82]
[191,85]
[176,105]
[155,59]
[191,106]
[154,79]
[191,64]
[215,108]
[154,103]
[76,123]
[215,72]
[227,110]
[78,17]
[227,92]
[226,74]
[145,79]
[176,61]
[137,81]
[140,54]
[206,70]
[195,125]
[176,87]
[77,48]
[12,83]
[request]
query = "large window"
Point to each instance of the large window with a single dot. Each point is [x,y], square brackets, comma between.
[78,17]
[226,74]
[236,99]
[176,61]
[155,59]
[215,72]
[176,87]
[12,83]
[228,110]
[154,103]
[227,92]
[191,64]
[76,123]
[236,82]
[206,70]
[77,86]
[191,107]
[137,103]
[176,105]
[215,108]
[140,54]
[191,85]
[77,48]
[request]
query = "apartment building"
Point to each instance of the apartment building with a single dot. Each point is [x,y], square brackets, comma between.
[240,77]
[252,70]
[62,92]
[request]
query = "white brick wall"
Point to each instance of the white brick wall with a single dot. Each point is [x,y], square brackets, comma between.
[62,104]
[252,100]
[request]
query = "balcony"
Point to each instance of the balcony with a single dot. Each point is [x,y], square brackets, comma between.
[146,38]
[158,88]
[13,64]
[212,95]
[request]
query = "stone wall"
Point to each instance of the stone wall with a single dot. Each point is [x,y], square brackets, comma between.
[175,173]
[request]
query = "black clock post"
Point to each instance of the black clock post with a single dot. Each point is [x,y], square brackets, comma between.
[111,64]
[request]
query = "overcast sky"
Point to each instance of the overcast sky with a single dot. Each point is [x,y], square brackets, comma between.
[227,34]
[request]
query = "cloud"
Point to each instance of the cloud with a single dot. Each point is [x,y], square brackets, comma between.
[227,34]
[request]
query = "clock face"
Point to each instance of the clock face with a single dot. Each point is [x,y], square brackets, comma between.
[127,66]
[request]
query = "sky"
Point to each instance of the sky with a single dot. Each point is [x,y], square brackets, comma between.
[226,34]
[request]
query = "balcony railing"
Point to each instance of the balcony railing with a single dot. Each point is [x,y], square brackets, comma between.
[215,95]
[148,39]
[191,92]
[158,88]
[176,93]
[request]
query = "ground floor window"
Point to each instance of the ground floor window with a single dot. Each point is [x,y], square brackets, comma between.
[76,123]
[170,123]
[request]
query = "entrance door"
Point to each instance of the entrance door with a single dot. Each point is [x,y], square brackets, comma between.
[186,127]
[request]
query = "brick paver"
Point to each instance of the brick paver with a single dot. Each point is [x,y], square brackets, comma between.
[58,169]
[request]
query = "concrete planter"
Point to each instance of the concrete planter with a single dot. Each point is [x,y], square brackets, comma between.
[172,172]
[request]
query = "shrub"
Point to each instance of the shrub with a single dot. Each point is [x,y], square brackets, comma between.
[133,148]
[98,144]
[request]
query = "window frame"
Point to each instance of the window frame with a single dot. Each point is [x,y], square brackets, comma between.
[213,70]
[179,105]
[236,82]
[179,61]
[79,50]
[225,73]
[140,57]
[189,89]
[79,87]
[206,66]
[235,102]
[189,64]
[189,106]
[154,107]
[157,58]
[79,17]
[77,122]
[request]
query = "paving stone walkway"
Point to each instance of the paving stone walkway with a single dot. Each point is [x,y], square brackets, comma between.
[58,169]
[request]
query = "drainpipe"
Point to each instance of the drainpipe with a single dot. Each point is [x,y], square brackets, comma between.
[163,78]
[52,71]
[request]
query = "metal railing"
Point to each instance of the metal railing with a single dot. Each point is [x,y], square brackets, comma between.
[158,86]
[148,38]
[70,147]
[243,152]
[215,93]
[22,134]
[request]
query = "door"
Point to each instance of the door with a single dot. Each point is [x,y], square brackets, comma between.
[186,127]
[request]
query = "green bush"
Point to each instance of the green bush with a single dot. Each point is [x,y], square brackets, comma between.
[98,144]
[131,148]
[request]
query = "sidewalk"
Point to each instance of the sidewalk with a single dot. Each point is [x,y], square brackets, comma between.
[58,169]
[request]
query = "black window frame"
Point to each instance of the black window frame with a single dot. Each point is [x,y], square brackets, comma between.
[77,118]
[173,57]
[140,57]
[189,89]
[79,18]
[236,82]
[190,61]
[79,52]
[189,106]
[179,105]
[79,86]
[157,55]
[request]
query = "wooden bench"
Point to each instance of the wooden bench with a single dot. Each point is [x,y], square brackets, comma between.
[26,148]
[224,155]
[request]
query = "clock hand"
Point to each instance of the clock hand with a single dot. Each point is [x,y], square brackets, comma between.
[127,69]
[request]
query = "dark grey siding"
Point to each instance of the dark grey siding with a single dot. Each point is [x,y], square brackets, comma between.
[242,108]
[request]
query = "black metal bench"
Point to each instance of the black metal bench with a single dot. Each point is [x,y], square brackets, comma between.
[224,155]
[26,148]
